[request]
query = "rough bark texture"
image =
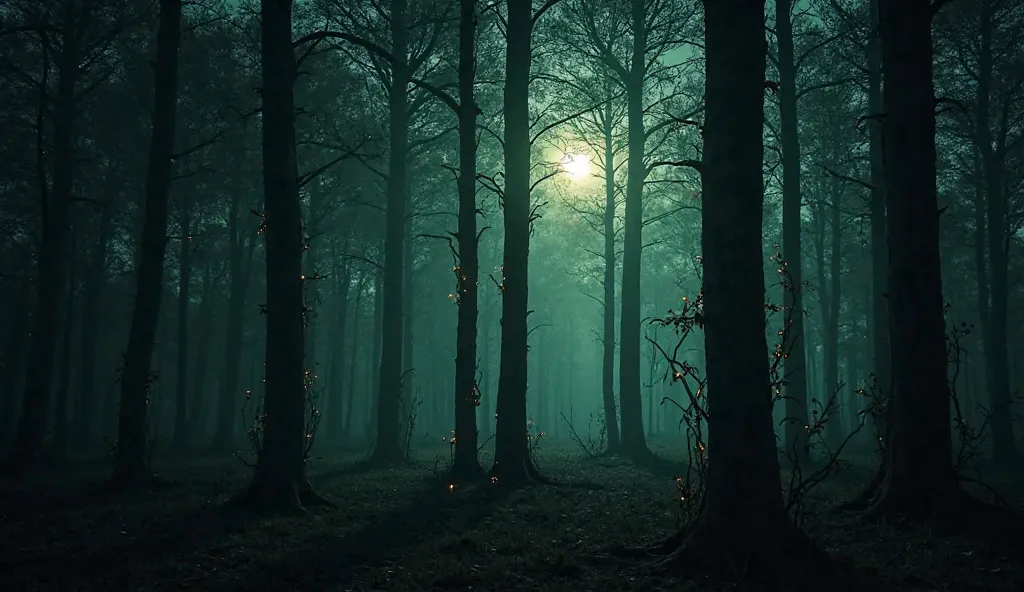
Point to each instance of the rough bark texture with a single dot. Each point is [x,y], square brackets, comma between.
[389,423]
[466,463]
[131,464]
[795,366]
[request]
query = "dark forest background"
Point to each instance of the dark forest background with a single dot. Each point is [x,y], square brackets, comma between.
[775,238]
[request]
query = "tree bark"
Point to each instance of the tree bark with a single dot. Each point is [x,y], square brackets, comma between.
[181,407]
[993,150]
[279,482]
[388,447]
[879,249]
[53,261]
[630,401]
[919,480]
[742,524]
[467,393]
[611,416]
[512,465]
[795,368]
[131,463]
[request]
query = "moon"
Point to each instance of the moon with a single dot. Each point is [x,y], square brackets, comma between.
[577,166]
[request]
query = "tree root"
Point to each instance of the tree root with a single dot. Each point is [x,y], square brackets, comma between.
[268,497]
[958,512]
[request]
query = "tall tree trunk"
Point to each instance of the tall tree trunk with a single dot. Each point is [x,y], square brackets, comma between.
[467,393]
[180,438]
[834,434]
[14,354]
[919,479]
[196,407]
[89,331]
[736,527]
[879,249]
[388,447]
[993,150]
[630,402]
[279,482]
[240,271]
[63,390]
[611,416]
[795,368]
[52,263]
[131,464]
[350,389]
[512,464]
[336,389]
[378,330]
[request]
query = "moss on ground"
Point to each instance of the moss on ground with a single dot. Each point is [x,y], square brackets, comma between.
[405,529]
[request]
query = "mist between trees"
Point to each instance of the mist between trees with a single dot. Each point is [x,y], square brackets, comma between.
[779,240]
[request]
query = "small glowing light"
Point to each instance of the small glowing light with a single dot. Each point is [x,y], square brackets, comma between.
[577,166]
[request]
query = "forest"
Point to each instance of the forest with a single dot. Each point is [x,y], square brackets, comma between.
[556,295]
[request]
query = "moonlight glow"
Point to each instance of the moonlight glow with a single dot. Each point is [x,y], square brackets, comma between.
[577,166]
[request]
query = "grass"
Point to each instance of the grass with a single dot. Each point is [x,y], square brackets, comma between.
[404,529]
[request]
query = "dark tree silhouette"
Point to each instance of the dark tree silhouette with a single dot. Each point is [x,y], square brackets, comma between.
[131,466]
[467,395]
[279,483]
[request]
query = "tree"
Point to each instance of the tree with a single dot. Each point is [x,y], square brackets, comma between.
[742,523]
[467,394]
[512,463]
[792,224]
[919,480]
[131,464]
[279,482]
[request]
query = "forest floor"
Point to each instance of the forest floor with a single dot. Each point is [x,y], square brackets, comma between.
[406,529]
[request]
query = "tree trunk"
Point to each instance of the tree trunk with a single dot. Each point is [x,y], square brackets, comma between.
[736,528]
[834,434]
[63,390]
[388,447]
[196,407]
[89,331]
[180,438]
[795,368]
[52,264]
[611,416]
[279,482]
[993,151]
[879,249]
[467,393]
[336,389]
[919,479]
[239,271]
[14,355]
[630,402]
[512,464]
[131,463]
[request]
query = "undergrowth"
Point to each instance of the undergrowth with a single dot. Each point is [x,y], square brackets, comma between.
[406,529]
